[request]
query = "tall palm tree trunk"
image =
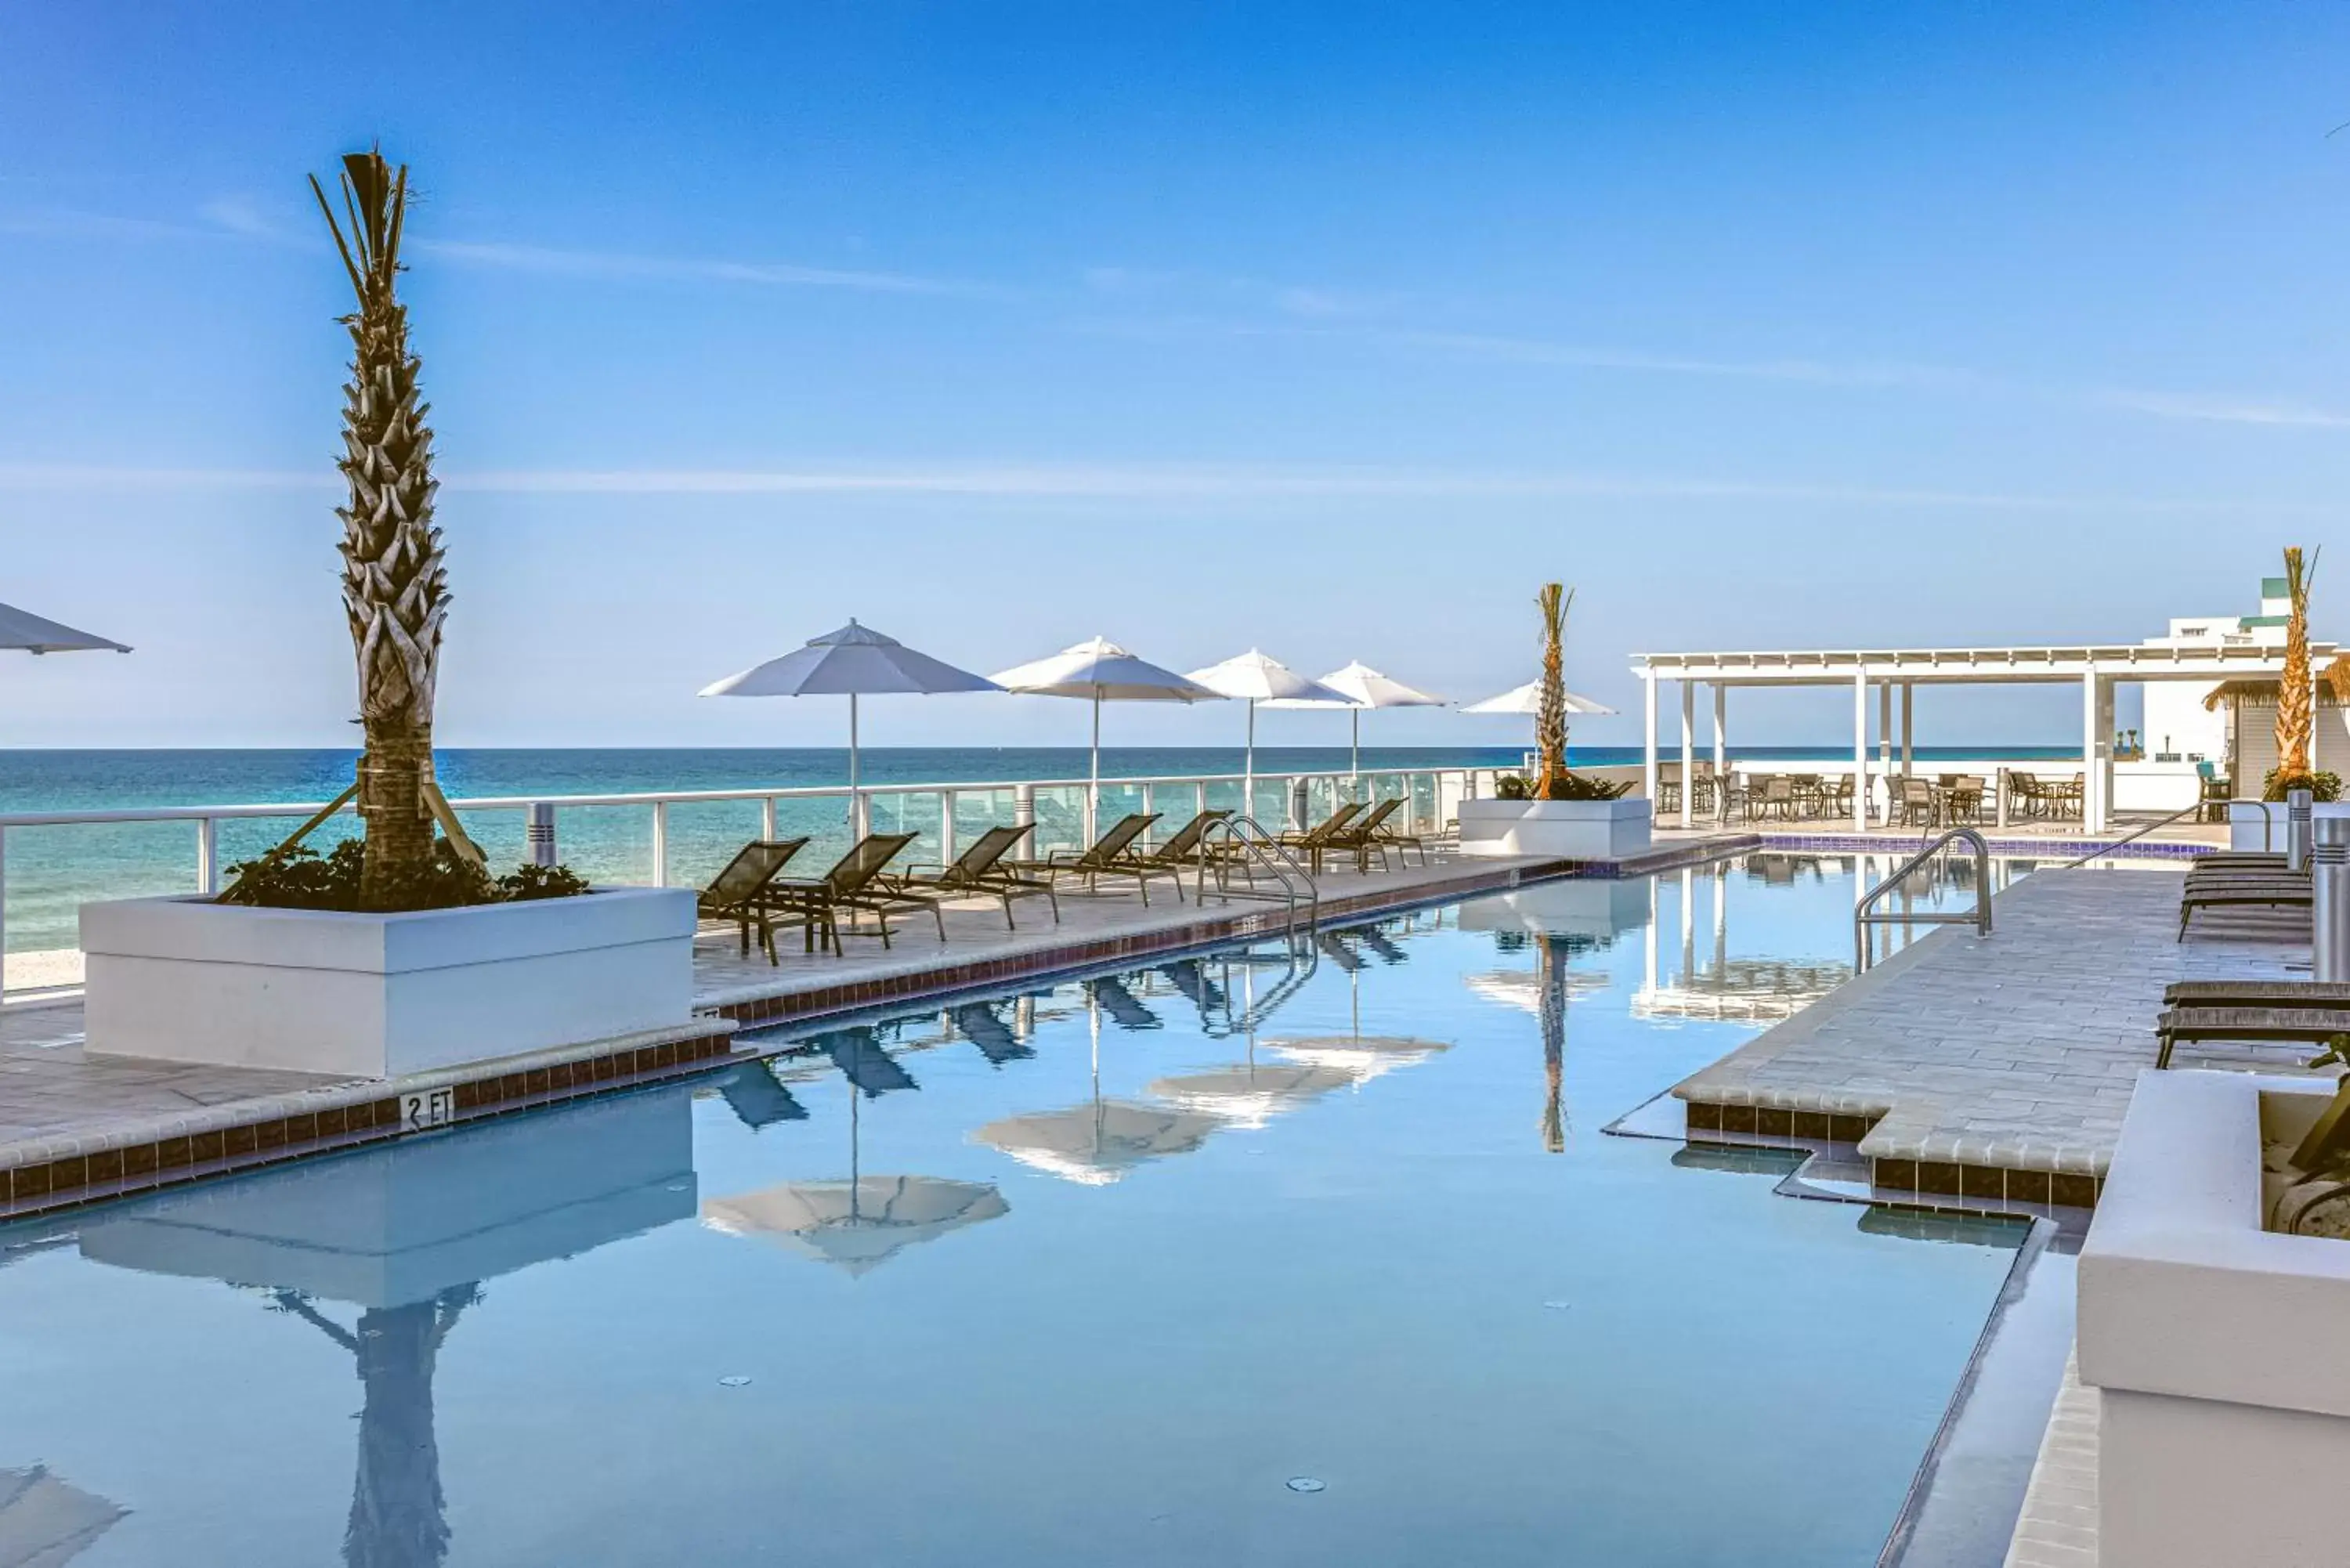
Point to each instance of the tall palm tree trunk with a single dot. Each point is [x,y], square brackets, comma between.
[1550,717]
[395,590]
[2296,713]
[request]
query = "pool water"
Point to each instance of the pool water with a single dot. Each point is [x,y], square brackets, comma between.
[1234,1260]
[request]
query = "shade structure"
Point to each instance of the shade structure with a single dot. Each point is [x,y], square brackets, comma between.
[1527,700]
[1358,687]
[1257,677]
[25,630]
[1100,670]
[856,1225]
[854,662]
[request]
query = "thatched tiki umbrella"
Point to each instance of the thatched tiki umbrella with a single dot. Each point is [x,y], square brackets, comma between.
[1550,719]
[394,589]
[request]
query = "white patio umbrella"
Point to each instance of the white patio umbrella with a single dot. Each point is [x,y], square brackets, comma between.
[1257,677]
[1358,687]
[1527,700]
[26,630]
[1101,671]
[854,661]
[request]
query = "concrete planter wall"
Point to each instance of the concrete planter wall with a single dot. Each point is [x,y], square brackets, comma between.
[378,996]
[1570,829]
[2218,1345]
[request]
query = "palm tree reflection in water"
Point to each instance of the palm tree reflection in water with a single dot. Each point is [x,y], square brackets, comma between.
[1550,963]
[398,1517]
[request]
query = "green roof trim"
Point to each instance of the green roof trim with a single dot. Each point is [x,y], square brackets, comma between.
[2251,621]
[2273,587]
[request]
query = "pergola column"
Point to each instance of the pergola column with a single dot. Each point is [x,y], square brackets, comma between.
[1908,689]
[1860,751]
[2092,809]
[1649,732]
[1689,754]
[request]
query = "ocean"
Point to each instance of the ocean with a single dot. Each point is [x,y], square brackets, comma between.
[50,871]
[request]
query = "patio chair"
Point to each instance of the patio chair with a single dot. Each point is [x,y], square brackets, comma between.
[2215,790]
[1836,800]
[853,883]
[1775,797]
[739,891]
[1107,858]
[1965,795]
[1401,838]
[1914,802]
[2025,792]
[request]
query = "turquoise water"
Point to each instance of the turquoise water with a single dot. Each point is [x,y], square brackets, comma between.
[1085,1276]
[50,871]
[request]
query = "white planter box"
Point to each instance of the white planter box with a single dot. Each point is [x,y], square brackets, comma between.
[2224,1425]
[377,996]
[1569,829]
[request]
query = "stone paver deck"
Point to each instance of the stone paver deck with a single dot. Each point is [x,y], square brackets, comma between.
[1993,1067]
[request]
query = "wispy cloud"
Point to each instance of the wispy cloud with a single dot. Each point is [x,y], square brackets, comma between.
[2230,411]
[548,259]
[1128,483]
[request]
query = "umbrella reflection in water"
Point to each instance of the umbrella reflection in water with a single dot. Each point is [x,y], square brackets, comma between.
[861,1223]
[1099,1142]
[44,1522]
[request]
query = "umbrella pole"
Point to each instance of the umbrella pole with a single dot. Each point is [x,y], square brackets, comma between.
[1354,752]
[1093,778]
[1248,767]
[855,801]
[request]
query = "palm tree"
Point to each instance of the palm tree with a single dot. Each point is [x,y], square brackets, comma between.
[1550,719]
[395,591]
[2296,711]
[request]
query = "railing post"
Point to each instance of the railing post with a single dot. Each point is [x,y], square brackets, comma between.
[540,834]
[946,828]
[207,855]
[2330,900]
[2296,830]
[768,819]
[660,844]
[4,911]
[1149,794]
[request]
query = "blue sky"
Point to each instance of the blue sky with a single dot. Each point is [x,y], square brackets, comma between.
[1333,329]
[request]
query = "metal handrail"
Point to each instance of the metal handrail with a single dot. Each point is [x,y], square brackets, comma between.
[2104,850]
[1266,851]
[1862,919]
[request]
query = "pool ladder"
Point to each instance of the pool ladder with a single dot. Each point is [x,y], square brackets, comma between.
[1253,850]
[1864,914]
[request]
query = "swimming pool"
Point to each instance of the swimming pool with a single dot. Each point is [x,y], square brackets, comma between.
[1293,1259]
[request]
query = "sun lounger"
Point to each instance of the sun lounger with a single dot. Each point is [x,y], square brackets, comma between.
[739,891]
[2256,994]
[2309,1025]
[1184,849]
[2278,893]
[1107,858]
[853,883]
[1313,840]
[977,1023]
[1360,838]
[980,869]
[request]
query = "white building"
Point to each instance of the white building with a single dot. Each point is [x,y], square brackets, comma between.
[2178,725]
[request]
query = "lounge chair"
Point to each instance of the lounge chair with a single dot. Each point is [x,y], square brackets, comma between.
[2280,891]
[981,870]
[1315,839]
[1107,858]
[2311,1024]
[1361,839]
[854,884]
[1183,849]
[977,1023]
[739,891]
[1399,839]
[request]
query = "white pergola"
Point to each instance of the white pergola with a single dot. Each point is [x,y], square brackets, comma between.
[2096,669]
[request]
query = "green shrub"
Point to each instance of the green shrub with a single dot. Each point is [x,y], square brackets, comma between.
[2321,787]
[302,879]
[1510,786]
[1575,786]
